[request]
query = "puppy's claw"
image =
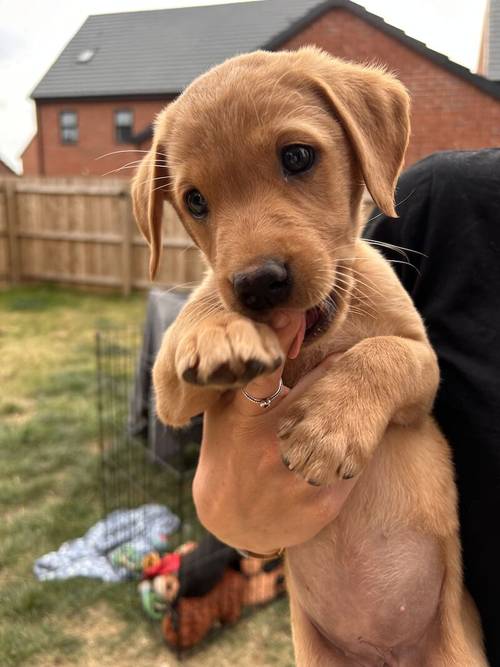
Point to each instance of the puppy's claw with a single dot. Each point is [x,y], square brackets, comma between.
[348,468]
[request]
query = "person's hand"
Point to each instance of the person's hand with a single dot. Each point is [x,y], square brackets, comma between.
[243,492]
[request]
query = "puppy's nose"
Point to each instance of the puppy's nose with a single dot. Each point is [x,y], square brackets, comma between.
[263,287]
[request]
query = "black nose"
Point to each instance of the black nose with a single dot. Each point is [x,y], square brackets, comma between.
[263,287]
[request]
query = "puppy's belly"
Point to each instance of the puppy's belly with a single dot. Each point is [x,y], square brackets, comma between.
[374,595]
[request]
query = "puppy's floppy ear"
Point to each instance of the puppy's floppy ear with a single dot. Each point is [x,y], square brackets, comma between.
[149,189]
[374,109]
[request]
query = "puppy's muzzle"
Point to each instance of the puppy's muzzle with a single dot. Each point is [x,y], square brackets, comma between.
[262,287]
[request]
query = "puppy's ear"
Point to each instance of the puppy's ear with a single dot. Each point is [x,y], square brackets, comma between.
[374,109]
[149,190]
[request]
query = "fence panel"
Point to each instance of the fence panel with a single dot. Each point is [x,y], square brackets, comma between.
[4,238]
[81,231]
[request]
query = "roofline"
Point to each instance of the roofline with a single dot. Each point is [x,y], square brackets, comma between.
[136,97]
[170,9]
[491,88]
[487,86]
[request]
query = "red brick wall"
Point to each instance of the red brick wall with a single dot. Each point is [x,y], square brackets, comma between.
[30,158]
[447,112]
[96,137]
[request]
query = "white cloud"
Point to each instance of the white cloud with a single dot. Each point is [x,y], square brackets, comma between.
[34,33]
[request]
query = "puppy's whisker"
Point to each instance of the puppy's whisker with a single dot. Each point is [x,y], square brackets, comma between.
[181,286]
[370,285]
[356,292]
[166,179]
[363,275]
[200,317]
[396,248]
[124,167]
[130,150]
[346,297]
[400,261]
[129,166]
[357,282]
[389,246]
[402,201]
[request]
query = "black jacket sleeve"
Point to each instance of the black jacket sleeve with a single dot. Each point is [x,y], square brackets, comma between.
[450,221]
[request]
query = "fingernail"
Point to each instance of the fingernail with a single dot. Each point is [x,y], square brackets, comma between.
[280,320]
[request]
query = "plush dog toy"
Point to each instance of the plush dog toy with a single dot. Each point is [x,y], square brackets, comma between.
[202,585]
[193,589]
[191,619]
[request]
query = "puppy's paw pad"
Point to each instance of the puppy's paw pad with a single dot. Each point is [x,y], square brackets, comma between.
[223,374]
[253,367]
[191,375]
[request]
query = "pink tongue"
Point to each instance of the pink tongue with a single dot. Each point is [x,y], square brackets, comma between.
[294,350]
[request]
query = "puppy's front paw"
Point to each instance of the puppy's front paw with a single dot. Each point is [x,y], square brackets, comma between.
[228,353]
[326,437]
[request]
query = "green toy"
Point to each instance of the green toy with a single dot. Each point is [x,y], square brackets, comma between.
[154,606]
[128,558]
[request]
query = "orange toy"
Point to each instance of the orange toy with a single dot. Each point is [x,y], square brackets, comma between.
[193,617]
[265,580]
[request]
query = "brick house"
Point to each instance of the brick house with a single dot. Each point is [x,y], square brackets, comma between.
[119,70]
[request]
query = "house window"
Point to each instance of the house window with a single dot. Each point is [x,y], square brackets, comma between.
[68,127]
[124,120]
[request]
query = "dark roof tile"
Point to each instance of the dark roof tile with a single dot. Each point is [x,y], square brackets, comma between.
[158,53]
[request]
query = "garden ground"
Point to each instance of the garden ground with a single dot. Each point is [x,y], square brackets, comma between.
[49,493]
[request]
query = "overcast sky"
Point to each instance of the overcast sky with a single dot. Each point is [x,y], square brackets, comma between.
[33,32]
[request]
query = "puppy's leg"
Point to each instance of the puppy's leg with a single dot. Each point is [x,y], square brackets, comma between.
[461,634]
[310,647]
[334,428]
[207,351]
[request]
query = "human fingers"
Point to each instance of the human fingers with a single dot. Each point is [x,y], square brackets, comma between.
[289,326]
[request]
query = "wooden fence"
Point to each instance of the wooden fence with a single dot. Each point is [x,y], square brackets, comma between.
[81,231]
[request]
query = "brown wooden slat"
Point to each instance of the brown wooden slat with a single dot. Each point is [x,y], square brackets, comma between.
[103,190]
[80,237]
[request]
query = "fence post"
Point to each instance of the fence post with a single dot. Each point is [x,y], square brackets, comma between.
[12,229]
[127,226]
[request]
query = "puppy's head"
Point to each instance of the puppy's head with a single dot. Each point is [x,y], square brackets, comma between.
[264,159]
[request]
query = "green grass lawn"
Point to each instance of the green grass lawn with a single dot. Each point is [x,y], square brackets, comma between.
[50,492]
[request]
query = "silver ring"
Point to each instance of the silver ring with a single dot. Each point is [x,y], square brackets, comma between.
[264,402]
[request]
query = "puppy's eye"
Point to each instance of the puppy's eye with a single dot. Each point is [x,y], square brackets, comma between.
[196,203]
[297,158]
